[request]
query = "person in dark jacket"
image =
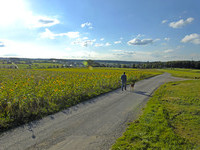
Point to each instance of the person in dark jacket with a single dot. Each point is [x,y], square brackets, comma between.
[123,79]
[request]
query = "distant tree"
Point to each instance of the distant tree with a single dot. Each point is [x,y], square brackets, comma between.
[92,63]
[197,65]
[124,66]
[133,66]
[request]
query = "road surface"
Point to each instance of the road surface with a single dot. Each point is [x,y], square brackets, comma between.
[92,125]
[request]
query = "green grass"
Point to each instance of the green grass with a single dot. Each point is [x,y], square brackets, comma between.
[184,108]
[184,73]
[170,119]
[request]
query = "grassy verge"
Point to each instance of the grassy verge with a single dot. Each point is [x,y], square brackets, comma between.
[184,73]
[170,120]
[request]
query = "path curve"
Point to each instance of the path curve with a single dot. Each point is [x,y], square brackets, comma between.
[91,125]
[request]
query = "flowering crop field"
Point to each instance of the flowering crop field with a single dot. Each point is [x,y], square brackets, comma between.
[27,94]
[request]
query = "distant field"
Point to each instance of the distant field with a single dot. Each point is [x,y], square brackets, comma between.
[33,65]
[184,73]
[27,94]
[170,120]
[39,66]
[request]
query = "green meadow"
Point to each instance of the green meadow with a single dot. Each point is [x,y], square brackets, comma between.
[171,118]
[184,73]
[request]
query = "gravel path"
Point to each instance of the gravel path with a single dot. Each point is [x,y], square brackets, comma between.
[92,125]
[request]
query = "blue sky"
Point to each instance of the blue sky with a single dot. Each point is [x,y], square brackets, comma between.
[131,30]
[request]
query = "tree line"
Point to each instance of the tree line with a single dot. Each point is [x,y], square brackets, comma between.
[170,64]
[150,65]
[11,63]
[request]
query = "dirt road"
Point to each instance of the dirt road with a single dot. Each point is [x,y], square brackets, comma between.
[92,125]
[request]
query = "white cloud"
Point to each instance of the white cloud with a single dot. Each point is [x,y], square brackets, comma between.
[98,45]
[192,38]
[125,53]
[118,42]
[164,21]
[68,49]
[11,11]
[107,44]
[47,34]
[164,55]
[18,12]
[86,43]
[2,44]
[166,39]
[180,46]
[87,24]
[29,50]
[156,40]
[117,50]
[41,21]
[164,44]
[33,50]
[181,23]
[139,36]
[51,35]
[85,54]
[136,41]
[72,34]
[85,38]
[83,43]
[143,53]
[168,51]
[132,55]
[101,39]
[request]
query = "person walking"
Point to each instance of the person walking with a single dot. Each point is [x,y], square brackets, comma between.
[123,79]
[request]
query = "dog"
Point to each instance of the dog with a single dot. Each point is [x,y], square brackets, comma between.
[132,86]
[196,77]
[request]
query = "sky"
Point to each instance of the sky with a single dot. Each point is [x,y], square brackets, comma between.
[128,30]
